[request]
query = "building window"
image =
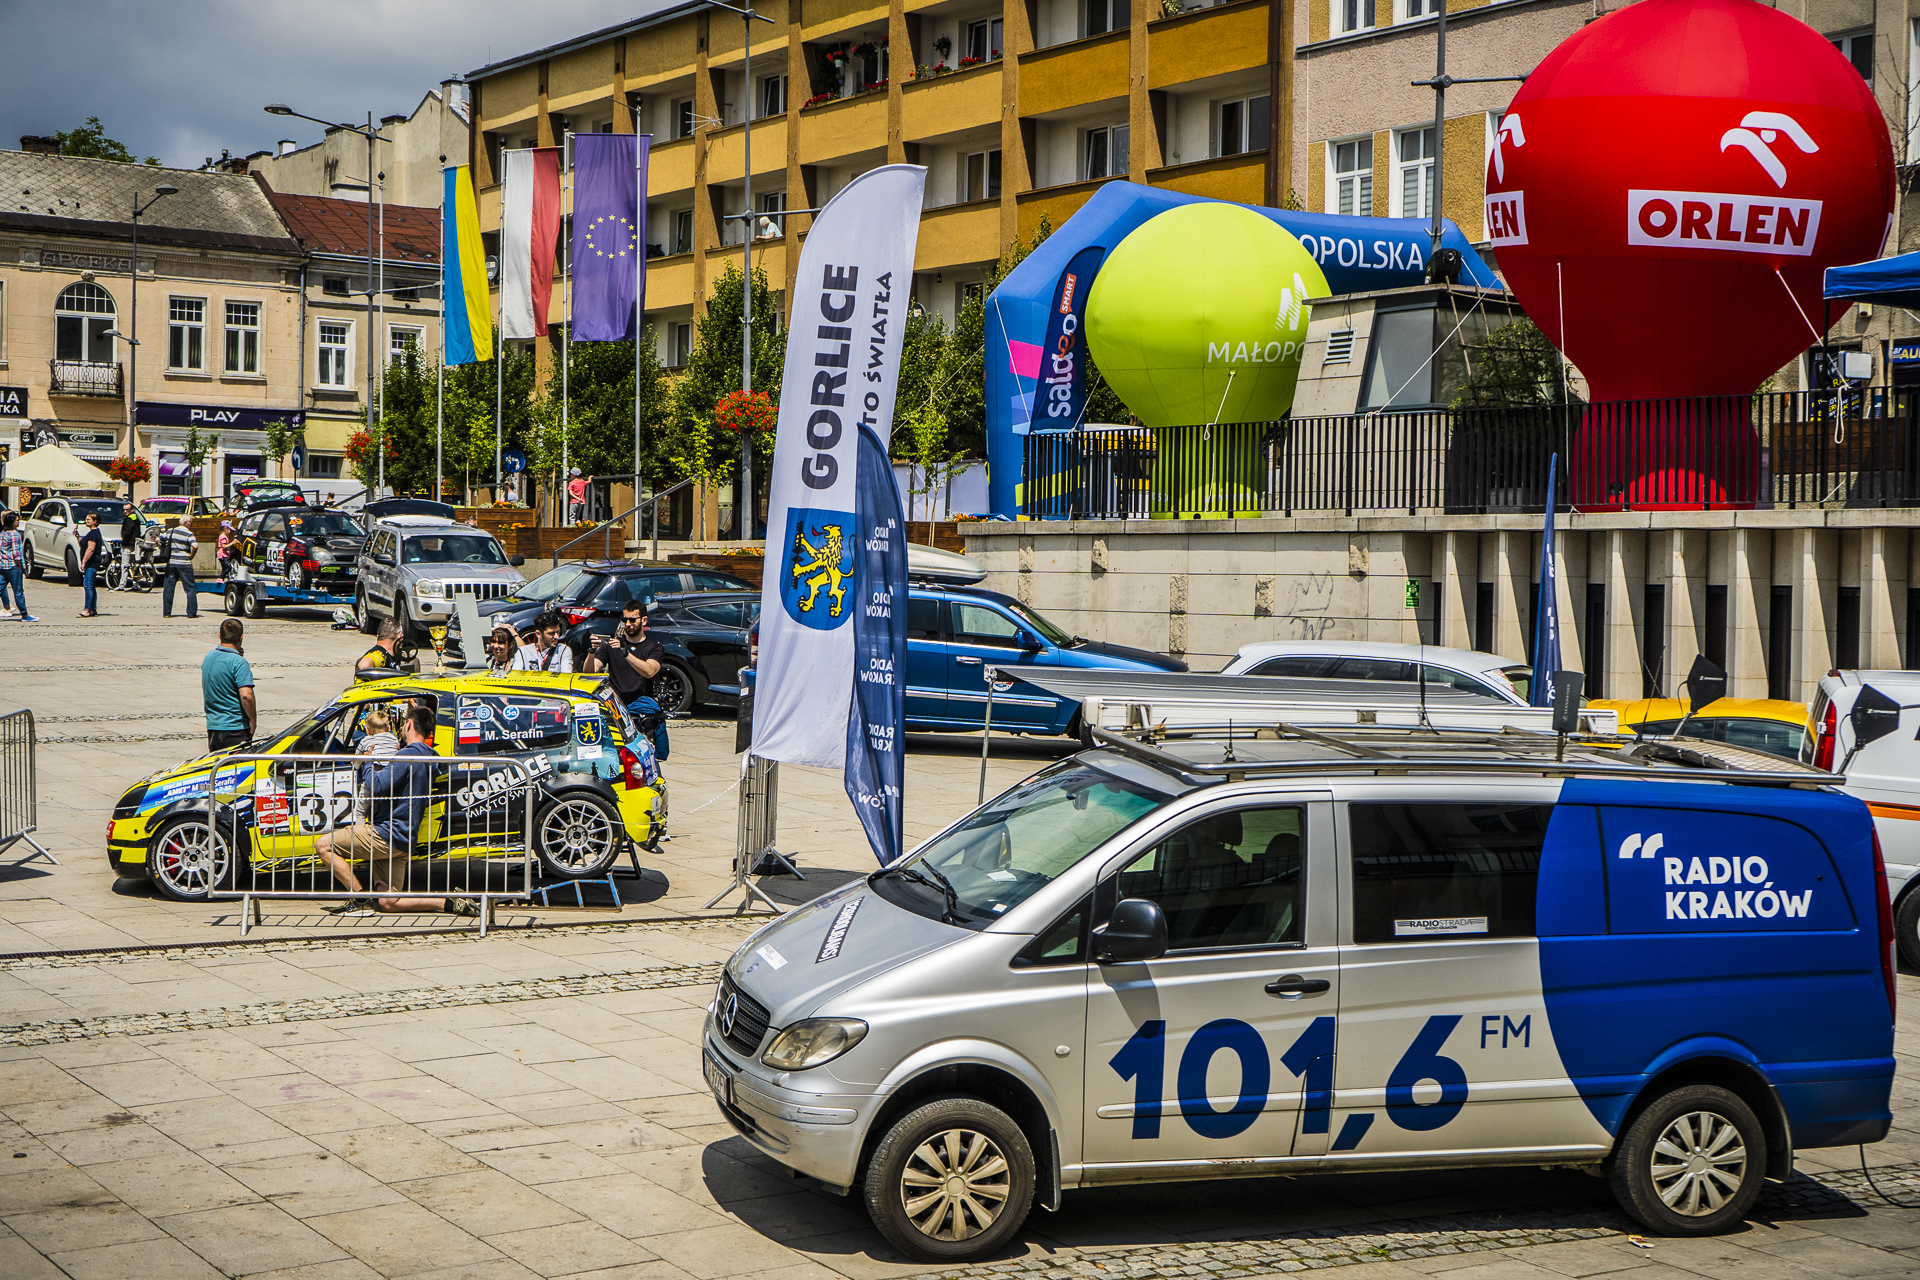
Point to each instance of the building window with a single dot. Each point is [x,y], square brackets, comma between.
[402,343]
[1413,10]
[1352,15]
[766,228]
[969,291]
[679,345]
[335,286]
[1857,47]
[682,241]
[3,319]
[322,467]
[336,353]
[1103,152]
[683,119]
[984,39]
[1105,15]
[243,337]
[187,334]
[1242,125]
[1413,172]
[1350,185]
[773,96]
[82,314]
[980,176]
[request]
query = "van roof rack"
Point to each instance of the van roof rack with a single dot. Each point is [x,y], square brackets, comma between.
[1243,750]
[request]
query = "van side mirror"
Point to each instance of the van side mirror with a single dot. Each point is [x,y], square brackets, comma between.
[1030,642]
[1873,717]
[1706,683]
[1137,930]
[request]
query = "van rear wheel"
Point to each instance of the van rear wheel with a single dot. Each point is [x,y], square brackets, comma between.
[1691,1163]
[1906,928]
[951,1181]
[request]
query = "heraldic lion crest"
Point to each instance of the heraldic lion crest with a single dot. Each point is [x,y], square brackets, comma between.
[826,562]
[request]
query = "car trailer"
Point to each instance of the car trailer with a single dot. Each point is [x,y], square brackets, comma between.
[249,597]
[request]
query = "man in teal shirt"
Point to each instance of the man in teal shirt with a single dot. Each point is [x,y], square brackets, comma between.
[226,686]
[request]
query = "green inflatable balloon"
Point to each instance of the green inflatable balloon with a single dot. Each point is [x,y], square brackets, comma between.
[1199,316]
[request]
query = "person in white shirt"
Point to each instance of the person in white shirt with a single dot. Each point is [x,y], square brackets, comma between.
[546,653]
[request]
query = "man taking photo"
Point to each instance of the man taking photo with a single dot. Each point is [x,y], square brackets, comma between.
[632,658]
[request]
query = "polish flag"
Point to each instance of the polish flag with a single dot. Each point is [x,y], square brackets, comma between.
[529,229]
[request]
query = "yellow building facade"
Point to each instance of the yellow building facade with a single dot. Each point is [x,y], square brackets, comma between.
[1019,112]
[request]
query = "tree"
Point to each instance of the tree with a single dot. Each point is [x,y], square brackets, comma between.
[714,369]
[90,141]
[277,438]
[708,458]
[1514,366]
[198,449]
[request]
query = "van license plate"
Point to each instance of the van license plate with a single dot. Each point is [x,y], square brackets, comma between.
[717,1077]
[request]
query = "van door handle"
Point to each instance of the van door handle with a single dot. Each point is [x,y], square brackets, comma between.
[971,662]
[1295,985]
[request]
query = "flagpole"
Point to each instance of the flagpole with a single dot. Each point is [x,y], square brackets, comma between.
[566,287]
[440,371]
[639,299]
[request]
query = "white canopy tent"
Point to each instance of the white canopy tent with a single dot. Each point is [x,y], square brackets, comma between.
[51,467]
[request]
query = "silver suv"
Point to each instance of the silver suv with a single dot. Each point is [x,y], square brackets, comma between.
[413,569]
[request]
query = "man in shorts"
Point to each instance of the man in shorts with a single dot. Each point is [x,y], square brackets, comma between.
[398,790]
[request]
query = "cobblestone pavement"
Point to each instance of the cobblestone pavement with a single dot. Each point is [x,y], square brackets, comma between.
[324,1103]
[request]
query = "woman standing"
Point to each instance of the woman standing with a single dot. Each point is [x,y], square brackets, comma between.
[13,566]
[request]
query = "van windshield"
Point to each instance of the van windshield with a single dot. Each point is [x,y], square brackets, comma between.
[1006,852]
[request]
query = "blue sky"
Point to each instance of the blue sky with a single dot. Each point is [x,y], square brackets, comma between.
[183,79]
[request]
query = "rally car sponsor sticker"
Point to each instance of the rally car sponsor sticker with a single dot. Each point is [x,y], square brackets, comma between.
[500,784]
[591,731]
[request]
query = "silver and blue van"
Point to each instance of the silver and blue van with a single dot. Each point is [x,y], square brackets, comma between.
[1292,951]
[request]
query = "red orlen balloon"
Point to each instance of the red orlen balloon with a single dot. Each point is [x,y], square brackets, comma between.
[1664,195]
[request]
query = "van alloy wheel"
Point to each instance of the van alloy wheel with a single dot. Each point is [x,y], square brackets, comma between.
[951,1181]
[1698,1163]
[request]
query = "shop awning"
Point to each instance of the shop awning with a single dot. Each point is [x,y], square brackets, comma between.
[51,467]
[1893,281]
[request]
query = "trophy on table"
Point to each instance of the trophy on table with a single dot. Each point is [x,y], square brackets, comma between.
[439,637]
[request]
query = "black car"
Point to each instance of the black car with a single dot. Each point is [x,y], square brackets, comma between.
[585,591]
[381,508]
[705,634]
[299,545]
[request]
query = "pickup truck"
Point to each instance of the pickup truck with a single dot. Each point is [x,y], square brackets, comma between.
[53,530]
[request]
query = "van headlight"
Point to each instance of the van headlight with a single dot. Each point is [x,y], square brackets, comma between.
[813,1042]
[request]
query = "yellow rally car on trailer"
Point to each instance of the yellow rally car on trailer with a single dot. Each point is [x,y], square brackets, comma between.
[598,789]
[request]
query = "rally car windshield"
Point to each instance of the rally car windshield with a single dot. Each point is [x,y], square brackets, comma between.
[1006,852]
[325,524]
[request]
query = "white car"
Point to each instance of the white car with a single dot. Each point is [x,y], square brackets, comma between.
[1855,730]
[1482,673]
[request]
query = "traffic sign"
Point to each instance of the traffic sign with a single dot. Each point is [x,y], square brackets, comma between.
[513,462]
[299,457]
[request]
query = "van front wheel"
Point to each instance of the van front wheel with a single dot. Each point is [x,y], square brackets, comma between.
[952,1181]
[1691,1163]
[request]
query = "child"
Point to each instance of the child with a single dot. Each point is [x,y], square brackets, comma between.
[378,740]
[223,549]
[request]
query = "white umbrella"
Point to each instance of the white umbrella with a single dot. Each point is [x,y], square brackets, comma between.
[51,467]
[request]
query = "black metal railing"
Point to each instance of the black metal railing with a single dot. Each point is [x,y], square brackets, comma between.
[82,378]
[1782,449]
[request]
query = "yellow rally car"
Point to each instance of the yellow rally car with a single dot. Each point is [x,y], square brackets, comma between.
[596,787]
[1772,725]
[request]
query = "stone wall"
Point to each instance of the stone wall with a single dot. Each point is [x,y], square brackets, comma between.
[1637,589]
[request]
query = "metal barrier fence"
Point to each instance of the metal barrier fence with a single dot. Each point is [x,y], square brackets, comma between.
[1856,448]
[409,832]
[20,786]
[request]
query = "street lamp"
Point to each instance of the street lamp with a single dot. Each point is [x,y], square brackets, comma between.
[133,288]
[372,135]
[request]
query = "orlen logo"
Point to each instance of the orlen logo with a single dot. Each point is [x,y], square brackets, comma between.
[1741,223]
[1506,216]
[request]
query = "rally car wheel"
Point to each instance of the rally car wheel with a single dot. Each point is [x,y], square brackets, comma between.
[951,1182]
[187,859]
[1692,1162]
[579,836]
[363,616]
[296,576]
[674,688]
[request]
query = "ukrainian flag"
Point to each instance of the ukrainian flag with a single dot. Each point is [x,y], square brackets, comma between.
[463,265]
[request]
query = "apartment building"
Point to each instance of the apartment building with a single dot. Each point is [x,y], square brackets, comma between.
[218,311]
[340,340]
[1018,111]
[415,147]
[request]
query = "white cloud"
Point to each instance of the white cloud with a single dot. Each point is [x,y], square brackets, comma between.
[183,79]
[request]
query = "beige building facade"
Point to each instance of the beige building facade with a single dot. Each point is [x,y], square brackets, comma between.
[415,148]
[218,313]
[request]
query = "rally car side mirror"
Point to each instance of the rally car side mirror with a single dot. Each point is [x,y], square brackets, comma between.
[1136,931]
